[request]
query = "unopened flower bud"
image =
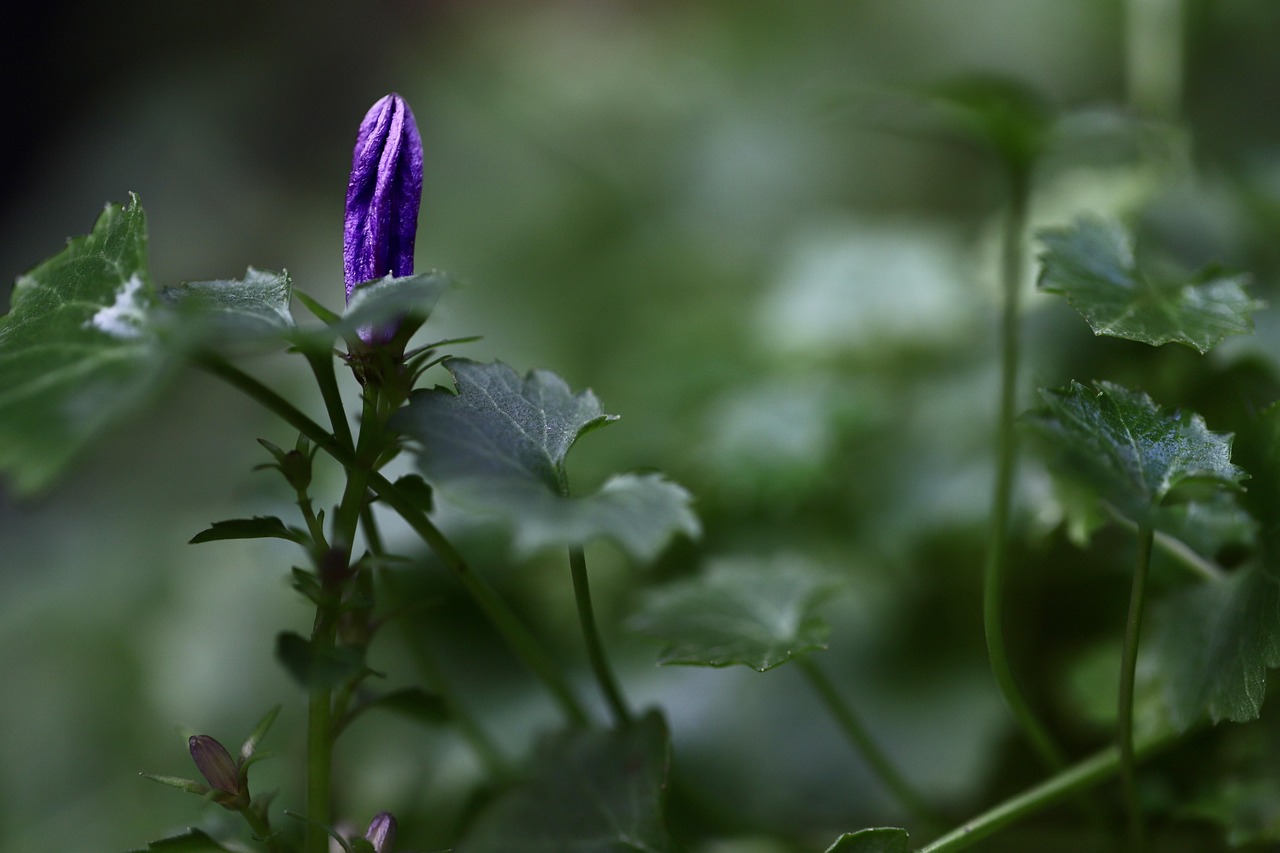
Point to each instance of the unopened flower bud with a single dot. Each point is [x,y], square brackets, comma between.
[383,196]
[219,770]
[382,832]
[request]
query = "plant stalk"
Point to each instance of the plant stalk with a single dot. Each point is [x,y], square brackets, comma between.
[507,623]
[866,746]
[320,740]
[591,636]
[1061,786]
[1006,467]
[1128,677]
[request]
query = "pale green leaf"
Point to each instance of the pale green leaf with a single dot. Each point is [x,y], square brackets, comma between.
[497,448]
[886,839]
[590,792]
[1093,264]
[755,612]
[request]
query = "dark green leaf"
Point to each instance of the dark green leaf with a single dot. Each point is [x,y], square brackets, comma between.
[1093,264]
[498,448]
[417,490]
[258,527]
[218,312]
[753,612]
[191,841]
[415,703]
[1248,809]
[590,792]
[325,669]
[1131,454]
[78,351]
[1002,113]
[886,839]
[1213,643]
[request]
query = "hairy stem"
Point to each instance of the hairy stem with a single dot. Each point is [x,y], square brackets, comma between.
[591,635]
[507,623]
[1006,467]
[866,746]
[1128,673]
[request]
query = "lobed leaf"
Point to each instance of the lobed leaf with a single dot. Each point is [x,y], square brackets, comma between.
[497,447]
[78,351]
[1128,452]
[754,612]
[1213,643]
[1092,263]
[590,792]
[224,312]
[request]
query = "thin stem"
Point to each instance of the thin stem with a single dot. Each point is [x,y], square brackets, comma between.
[320,739]
[322,366]
[1153,54]
[591,635]
[261,828]
[1203,568]
[507,623]
[866,746]
[1062,786]
[1006,467]
[1128,673]
[483,746]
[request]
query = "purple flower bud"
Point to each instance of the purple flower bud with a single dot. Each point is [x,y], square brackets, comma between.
[382,200]
[219,770]
[382,832]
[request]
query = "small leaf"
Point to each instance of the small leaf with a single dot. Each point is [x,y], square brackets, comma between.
[189,785]
[416,490]
[498,446]
[590,792]
[753,612]
[886,839]
[258,527]
[1131,454]
[1092,263]
[191,841]
[413,702]
[309,669]
[259,732]
[253,308]
[78,352]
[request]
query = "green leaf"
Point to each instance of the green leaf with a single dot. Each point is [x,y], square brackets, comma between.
[258,527]
[753,612]
[1248,809]
[1002,113]
[497,447]
[590,792]
[78,352]
[1129,452]
[1213,643]
[219,312]
[413,702]
[1092,263]
[182,784]
[260,730]
[886,839]
[416,490]
[191,841]
[326,669]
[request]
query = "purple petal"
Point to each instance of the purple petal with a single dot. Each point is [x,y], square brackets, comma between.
[383,196]
[215,763]
[382,832]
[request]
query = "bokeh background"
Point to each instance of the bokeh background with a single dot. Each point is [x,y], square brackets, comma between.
[702,210]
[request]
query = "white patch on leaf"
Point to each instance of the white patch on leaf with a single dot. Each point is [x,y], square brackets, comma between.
[125,317]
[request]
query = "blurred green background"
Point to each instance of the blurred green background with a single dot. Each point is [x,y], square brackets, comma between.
[705,212]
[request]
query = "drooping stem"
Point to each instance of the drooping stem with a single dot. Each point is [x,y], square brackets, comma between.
[1128,673]
[1006,468]
[507,623]
[866,746]
[591,636]
[1061,786]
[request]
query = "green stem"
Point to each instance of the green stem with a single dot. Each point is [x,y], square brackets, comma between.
[322,366]
[507,623]
[1062,786]
[1006,467]
[866,745]
[261,827]
[320,739]
[591,635]
[1153,54]
[1128,673]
